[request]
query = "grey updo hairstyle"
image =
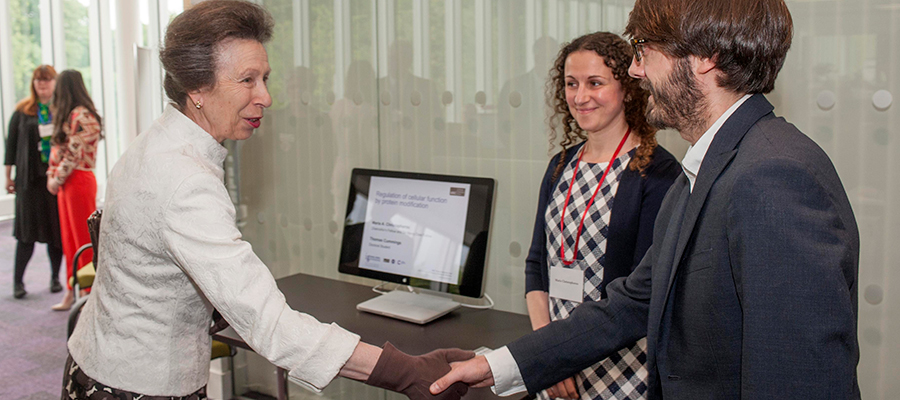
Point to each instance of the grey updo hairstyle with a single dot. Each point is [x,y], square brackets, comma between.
[190,52]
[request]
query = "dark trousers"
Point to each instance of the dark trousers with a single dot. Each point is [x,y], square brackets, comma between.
[24,251]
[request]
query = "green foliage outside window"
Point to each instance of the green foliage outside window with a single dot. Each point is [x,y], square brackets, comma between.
[25,27]
[75,25]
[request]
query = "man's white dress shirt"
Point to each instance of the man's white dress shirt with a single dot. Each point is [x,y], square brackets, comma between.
[169,252]
[507,377]
[696,152]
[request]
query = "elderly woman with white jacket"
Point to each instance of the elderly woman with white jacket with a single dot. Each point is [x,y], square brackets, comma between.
[170,251]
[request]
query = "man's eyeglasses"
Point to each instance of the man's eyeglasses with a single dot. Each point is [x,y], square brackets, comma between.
[638,46]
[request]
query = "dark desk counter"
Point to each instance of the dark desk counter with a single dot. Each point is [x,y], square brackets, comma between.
[335,301]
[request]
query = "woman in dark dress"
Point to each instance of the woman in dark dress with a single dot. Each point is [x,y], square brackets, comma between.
[28,149]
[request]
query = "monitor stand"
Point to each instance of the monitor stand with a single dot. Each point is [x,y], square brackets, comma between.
[419,308]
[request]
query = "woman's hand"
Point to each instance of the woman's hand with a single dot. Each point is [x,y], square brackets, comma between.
[10,186]
[412,375]
[538,302]
[52,186]
[565,389]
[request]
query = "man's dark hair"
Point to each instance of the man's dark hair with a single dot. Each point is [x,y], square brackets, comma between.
[747,39]
[192,39]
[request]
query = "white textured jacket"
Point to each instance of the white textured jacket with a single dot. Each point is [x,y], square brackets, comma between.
[170,252]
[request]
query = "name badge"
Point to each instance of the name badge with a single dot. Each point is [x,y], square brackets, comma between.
[45,130]
[567,284]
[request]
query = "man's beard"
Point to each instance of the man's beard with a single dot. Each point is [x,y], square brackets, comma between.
[677,101]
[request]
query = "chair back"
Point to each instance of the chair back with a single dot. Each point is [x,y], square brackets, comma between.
[94,229]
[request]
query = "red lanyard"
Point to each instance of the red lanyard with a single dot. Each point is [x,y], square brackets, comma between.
[562,220]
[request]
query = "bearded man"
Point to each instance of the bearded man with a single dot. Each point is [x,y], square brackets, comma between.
[749,290]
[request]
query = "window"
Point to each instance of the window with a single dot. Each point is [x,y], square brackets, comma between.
[76,36]
[25,40]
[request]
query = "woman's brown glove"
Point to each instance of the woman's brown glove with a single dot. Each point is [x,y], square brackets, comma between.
[412,375]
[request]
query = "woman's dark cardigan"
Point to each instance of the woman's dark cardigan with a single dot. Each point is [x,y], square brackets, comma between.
[637,201]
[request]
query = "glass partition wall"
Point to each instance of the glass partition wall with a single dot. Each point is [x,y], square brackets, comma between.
[457,87]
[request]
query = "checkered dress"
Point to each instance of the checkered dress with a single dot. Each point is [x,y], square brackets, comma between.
[624,374]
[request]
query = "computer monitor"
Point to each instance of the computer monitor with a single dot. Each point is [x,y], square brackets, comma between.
[427,231]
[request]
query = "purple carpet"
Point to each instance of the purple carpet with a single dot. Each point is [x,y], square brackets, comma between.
[32,337]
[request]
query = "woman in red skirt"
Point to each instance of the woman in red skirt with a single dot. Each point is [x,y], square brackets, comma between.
[70,177]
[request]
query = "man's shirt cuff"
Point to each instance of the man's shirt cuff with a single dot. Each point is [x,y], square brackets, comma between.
[507,378]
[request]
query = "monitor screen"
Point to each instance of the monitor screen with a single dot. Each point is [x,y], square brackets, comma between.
[424,230]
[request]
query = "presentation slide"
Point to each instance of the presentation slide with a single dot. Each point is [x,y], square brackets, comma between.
[415,228]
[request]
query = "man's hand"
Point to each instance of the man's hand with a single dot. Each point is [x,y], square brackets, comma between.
[565,389]
[411,375]
[475,373]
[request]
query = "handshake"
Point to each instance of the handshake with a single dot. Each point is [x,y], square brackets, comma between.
[415,376]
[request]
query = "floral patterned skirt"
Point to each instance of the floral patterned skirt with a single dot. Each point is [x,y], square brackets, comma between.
[77,385]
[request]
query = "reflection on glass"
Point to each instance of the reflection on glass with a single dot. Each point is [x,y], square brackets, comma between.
[353,118]
[521,106]
[413,106]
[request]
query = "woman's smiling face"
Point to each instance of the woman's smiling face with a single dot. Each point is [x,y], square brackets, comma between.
[595,97]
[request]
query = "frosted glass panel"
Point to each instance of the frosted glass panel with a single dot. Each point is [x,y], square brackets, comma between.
[294,173]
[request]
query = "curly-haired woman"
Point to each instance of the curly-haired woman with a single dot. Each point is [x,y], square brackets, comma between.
[598,201]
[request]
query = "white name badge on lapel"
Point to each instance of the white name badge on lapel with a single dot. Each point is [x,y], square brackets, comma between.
[45,130]
[567,284]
